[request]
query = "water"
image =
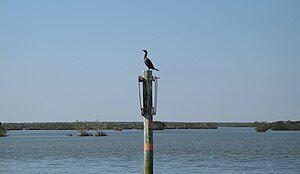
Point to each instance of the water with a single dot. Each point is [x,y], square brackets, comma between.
[223,150]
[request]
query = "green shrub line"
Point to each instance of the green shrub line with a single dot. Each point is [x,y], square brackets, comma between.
[158,125]
[80,125]
[2,131]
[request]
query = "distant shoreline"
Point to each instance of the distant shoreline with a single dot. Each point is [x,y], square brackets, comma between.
[158,125]
[106,125]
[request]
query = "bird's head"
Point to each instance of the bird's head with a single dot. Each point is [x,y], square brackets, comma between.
[145,51]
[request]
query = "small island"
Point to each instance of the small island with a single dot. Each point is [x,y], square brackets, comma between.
[83,129]
[286,125]
[2,131]
[262,126]
[277,126]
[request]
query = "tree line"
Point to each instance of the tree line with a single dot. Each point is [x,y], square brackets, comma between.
[2,131]
[157,125]
[83,125]
[277,126]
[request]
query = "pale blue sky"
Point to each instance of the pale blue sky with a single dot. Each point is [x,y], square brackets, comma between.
[219,60]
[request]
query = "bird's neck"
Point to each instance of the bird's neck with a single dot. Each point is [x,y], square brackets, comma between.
[145,56]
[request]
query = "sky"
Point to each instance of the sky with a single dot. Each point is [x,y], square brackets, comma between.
[219,61]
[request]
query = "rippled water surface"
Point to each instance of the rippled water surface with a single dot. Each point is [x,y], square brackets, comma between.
[223,150]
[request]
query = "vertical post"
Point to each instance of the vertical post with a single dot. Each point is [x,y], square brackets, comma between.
[148,122]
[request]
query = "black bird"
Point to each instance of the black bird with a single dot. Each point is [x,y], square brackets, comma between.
[148,62]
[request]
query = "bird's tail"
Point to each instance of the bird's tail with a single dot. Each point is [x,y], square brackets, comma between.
[156,69]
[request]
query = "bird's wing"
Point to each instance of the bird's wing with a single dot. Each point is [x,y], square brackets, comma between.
[149,63]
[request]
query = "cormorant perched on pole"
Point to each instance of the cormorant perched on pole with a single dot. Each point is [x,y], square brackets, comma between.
[148,62]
